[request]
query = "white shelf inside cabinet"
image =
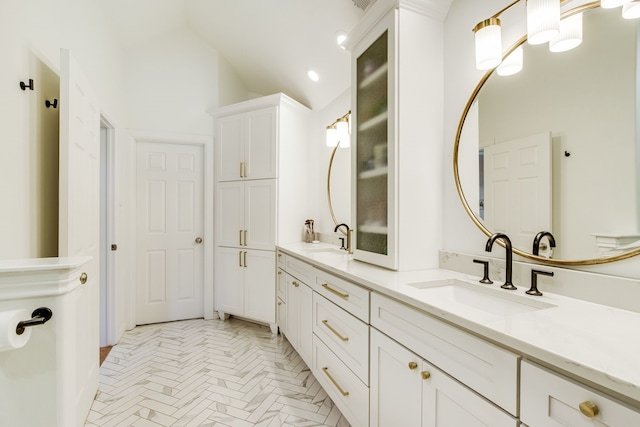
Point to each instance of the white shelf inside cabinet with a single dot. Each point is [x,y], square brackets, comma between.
[375,76]
[374,229]
[381,171]
[374,121]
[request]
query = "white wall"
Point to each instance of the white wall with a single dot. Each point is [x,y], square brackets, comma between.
[461,77]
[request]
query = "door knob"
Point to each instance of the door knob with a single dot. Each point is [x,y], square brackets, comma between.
[198,240]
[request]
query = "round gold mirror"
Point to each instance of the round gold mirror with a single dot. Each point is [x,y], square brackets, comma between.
[582,104]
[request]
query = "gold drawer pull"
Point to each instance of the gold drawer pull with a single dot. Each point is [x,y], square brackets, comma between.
[330,289]
[241,170]
[589,409]
[240,258]
[240,239]
[326,323]
[245,238]
[413,365]
[425,375]
[326,371]
[296,284]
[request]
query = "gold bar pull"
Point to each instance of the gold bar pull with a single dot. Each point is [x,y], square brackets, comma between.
[240,238]
[245,258]
[326,371]
[240,258]
[245,238]
[589,409]
[241,169]
[330,289]
[326,323]
[413,365]
[425,375]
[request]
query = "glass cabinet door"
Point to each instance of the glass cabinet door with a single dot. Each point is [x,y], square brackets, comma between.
[372,170]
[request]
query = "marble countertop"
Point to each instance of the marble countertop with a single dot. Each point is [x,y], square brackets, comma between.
[597,343]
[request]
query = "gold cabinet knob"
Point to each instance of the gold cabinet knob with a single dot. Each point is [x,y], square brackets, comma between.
[83,278]
[589,409]
[425,375]
[296,284]
[413,365]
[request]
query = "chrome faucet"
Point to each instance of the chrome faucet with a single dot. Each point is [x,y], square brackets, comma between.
[349,231]
[508,284]
[539,236]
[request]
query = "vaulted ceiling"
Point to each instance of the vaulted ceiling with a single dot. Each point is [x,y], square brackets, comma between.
[269,43]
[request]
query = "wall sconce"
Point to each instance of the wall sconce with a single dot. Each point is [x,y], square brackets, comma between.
[543,25]
[339,132]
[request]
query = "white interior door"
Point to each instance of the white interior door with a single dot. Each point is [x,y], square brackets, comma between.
[79,219]
[512,170]
[169,231]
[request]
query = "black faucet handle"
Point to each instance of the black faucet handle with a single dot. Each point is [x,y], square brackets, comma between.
[534,281]
[342,243]
[485,278]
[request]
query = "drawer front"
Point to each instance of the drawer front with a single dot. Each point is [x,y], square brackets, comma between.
[281,285]
[299,269]
[281,260]
[549,399]
[484,367]
[345,294]
[344,334]
[350,394]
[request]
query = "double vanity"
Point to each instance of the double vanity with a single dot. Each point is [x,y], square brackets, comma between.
[436,347]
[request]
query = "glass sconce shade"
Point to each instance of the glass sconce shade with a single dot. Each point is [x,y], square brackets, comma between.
[631,10]
[512,64]
[610,4]
[342,133]
[570,34]
[332,136]
[488,38]
[543,20]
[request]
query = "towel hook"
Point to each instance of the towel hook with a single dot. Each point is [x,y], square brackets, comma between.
[53,104]
[24,86]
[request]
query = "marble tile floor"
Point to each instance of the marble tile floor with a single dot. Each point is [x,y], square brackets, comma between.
[208,373]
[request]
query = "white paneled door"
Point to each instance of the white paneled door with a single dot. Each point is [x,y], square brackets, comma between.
[169,232]
[79,224]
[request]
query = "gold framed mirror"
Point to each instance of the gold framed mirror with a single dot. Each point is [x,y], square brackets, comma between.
[569,151]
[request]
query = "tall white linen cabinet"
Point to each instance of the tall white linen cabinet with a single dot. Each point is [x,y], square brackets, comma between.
[260,199]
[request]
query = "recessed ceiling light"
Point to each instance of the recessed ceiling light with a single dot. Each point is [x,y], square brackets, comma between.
[340,39]
[313,75]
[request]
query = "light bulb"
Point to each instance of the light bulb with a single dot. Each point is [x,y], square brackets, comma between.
[543,20]
[570,34]
[488,39]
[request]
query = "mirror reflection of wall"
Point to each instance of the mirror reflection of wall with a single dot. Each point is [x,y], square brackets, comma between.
[586,98]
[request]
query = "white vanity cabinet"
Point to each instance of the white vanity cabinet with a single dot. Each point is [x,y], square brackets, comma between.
[408,391]
[299,319]
[246,145]
[260,147]
[549,400]
[397,131]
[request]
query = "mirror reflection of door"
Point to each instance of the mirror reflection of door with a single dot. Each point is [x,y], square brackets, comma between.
[517,185]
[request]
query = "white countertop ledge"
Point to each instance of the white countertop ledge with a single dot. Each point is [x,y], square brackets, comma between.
[597,343]
[39,277]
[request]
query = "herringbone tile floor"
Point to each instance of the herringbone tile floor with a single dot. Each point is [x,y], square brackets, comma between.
[208,373]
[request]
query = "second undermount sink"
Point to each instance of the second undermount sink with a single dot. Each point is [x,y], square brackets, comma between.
[460,296]
[326,250]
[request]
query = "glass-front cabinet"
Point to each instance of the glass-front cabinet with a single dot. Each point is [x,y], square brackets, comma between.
[374,149]
[397,129]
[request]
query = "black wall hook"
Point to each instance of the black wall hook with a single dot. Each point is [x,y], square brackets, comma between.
[567,154]
[53,104]
[24,86]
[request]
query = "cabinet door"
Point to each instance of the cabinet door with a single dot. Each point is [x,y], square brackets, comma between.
[375,134]
[281,312]
[448,403]
[229,146]
[230,214]
[396,384]
[260,143]
[292,330]
[305,338]
[260,285]
[260,214]
[229,284]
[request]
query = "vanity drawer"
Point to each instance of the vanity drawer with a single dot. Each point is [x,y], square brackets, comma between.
[281,285]
[345,294]
[350,394]
[299,269]
[344,334]
[482,366]
[549,399]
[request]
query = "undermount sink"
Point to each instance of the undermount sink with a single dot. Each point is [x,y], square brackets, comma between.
[336,251]
[462,296]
